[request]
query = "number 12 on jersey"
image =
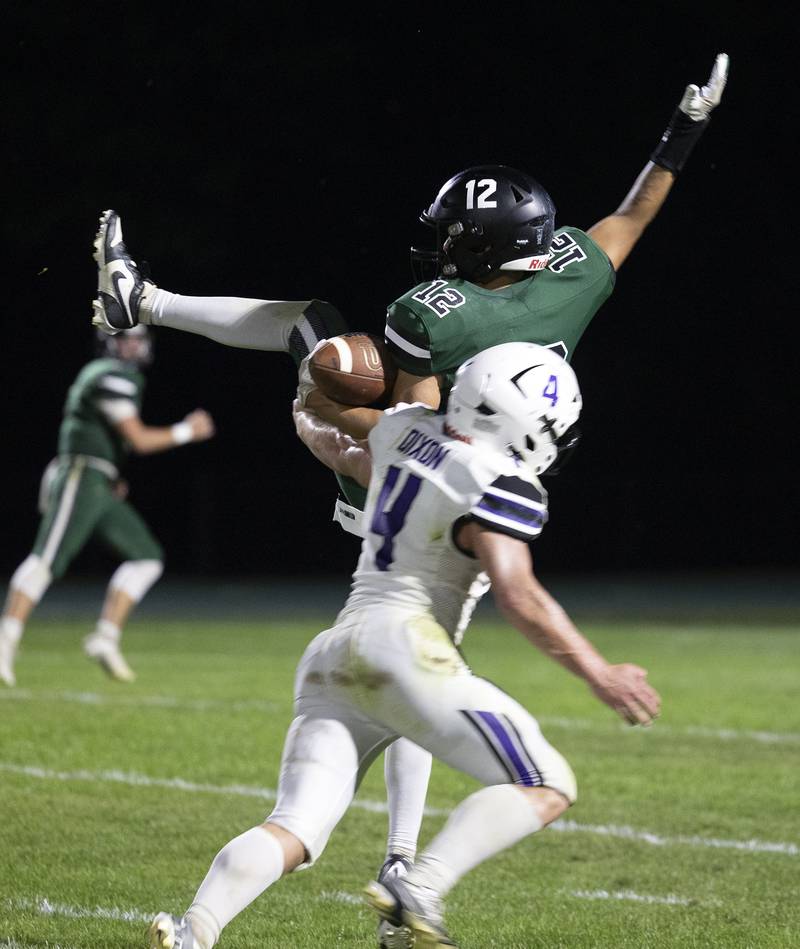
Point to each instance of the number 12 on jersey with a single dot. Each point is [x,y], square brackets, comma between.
[388,522]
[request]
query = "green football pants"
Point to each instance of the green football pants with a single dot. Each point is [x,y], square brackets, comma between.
[82,506]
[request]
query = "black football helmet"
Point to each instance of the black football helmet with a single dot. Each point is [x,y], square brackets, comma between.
[489,218]
[116,347]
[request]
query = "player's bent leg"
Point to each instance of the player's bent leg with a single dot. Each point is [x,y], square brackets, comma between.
[123,529]
[128,585]
[487,822]
[473,726]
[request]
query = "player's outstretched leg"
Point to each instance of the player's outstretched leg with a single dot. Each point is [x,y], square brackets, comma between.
[278,326]
[119,282]
[171,932]
[126,297]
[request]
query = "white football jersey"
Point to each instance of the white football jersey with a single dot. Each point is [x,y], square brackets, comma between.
[424,484]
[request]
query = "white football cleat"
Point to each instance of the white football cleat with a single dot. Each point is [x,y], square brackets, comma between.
[170,932]
[8,651]
[119,282]
[392,935]
[106,651]
[401,903]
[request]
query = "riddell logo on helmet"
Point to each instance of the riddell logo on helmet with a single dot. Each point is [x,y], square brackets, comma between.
[538,263]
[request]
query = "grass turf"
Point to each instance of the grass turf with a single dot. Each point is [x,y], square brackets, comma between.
[91,845]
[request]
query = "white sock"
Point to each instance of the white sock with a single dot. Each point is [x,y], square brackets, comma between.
[11,628]
[487,822]
[406,769]
[232,321]
[108,630]
[241,871]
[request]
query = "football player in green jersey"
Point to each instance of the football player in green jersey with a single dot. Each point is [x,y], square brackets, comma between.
[83,498]
[504,273]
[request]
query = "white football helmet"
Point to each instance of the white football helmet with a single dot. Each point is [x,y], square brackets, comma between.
[516,397]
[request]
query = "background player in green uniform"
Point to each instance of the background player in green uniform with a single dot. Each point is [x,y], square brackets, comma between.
[83,498]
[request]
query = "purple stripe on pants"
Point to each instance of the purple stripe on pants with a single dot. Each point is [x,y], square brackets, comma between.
[508,746]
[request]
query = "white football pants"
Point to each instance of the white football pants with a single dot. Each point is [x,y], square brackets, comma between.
[380,674]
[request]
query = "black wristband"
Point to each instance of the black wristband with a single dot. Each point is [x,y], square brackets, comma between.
[677,142]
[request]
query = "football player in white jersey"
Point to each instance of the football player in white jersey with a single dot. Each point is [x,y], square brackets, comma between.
[449,496]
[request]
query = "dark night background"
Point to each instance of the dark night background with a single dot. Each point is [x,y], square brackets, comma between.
[257,152]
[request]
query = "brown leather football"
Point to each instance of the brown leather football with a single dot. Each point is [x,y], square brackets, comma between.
[354,369]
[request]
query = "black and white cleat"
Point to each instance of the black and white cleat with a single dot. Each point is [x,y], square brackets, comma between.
[119,281]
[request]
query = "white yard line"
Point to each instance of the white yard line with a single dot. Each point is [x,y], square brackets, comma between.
[339,896]
[45,907]
[657,840]
[140,701]
[621,832]
[630,896]
[661,728]
[256,705]
[13,944]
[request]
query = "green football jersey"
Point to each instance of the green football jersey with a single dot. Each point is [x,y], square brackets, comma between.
[433,328]
[86,429]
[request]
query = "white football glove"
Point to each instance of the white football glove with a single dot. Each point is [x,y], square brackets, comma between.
[690,118]
[698,103]
[305,384]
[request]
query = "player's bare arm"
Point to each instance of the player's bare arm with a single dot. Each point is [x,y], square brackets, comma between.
[333,448]
[410,388]
[149,439]
[526,604]
[358,421]
[618,233]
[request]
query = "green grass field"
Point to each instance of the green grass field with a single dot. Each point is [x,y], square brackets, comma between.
[114,799]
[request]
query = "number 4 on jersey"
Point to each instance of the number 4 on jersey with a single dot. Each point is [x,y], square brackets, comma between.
[389,523]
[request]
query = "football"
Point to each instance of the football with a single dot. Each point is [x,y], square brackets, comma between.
[354,369]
